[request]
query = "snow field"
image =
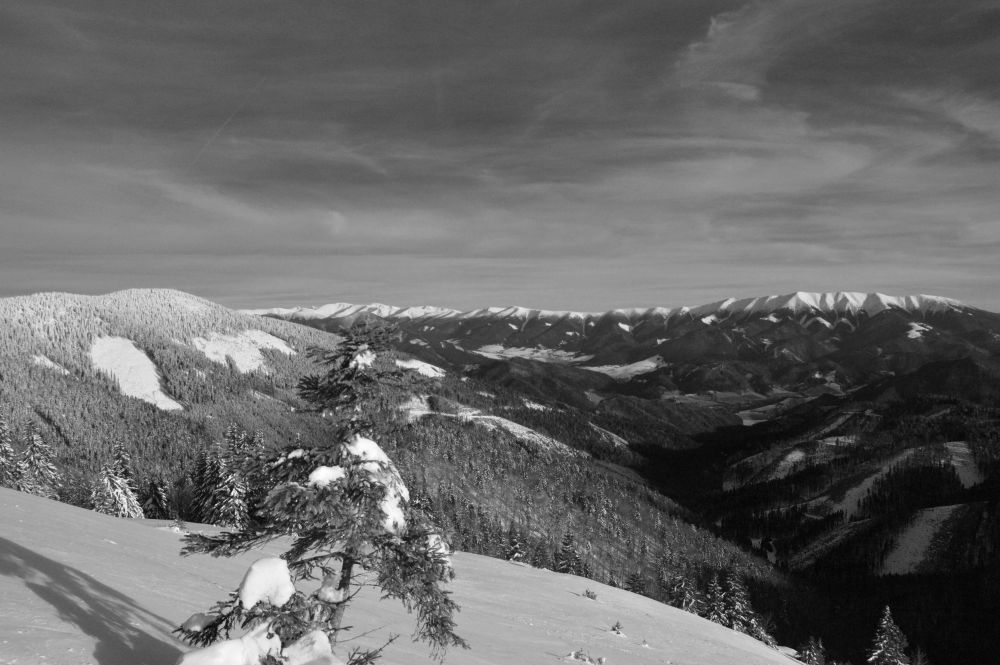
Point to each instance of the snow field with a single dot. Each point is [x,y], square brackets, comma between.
[913,543]
[422,368]
[966,467]
[80,587]
[136,374]
[625,372]
[243,349]
[45,361]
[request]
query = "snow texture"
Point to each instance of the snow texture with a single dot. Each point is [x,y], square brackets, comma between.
[311,649]
[497,352]
[363,359]
[965,465]
[243,349]
[324,475]
[246,650]
[422,368]
[267,580]
[136,374]
[197,622]
[137,591]
[625,372]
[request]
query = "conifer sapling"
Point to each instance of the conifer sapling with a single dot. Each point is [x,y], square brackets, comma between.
[347,512]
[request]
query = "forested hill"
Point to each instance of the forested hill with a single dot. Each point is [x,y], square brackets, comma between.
[161,384]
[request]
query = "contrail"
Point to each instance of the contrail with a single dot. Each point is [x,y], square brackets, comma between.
[225,123]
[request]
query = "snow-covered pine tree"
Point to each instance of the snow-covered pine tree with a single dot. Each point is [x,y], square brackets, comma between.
[514,544]
[740,615]
[682,593]
[155,501]
[888,647]
[813,652]
[567,560]
[715,602]
[37,474]
[227,503]
[8,461]
[346,510]
[113,495]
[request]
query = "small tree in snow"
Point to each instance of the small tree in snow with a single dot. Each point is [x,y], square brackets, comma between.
[8,462]
[715,602]
[113,495]
[682,593]
[889,643]
[348,514]
[36,472]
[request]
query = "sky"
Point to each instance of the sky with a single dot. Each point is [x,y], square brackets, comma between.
[565,154]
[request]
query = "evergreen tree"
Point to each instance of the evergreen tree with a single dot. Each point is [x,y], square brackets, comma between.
[715,602]
[36,472]
[112,494]
[683,594]
[737,605]
[636,583]
[156,503]
[346,509]
[514,545]
[567,560]
[8,460]
[813,652]
[889,643]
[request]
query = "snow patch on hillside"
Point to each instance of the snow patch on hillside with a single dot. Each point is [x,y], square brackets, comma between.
[626,372]
[787,463]
[913,543]
[965,465]
[243,349]
[46,362]
[422,368]
[611,437]
[497,352]
[917,330]
[852,497]
[136,374]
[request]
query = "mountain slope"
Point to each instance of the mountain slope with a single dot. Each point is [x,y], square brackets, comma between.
[79,587]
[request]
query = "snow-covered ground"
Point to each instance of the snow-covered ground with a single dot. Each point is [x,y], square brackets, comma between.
[496,352]
[913,543]
[243,349]
[625,372]
[422,368]
[787,463]
[618,441]
[79,587]
[45,361]
[136,374]
[853,496]
[965,465]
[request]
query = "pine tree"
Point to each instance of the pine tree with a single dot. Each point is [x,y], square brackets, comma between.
[156,503]
[715,602]
[813,652]
[112,494]
[346,509]
[8,460]
[636,583]
[737,604]
[889,643]
[514,545]
[36,472]
[683,594]
[567,560]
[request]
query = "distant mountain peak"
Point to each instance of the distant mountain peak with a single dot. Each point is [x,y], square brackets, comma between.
[839,302]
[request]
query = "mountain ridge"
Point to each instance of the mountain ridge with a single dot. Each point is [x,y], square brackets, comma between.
[830,302]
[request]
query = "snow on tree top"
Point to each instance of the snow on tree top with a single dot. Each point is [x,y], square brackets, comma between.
[267,580]
[324,475]
[365,449]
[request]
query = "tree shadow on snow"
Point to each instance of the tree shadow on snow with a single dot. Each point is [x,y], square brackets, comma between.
[101,612]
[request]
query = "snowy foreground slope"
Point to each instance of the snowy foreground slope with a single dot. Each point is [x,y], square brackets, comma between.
[79,587]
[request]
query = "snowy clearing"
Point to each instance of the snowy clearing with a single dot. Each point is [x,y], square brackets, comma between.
[136,374]
[422,368]
[625,372]
[535,406]
[913,542]
[917,330]
[787,463]
[965,465]
[243,349]
[611,437]
[68,596]
[497,352]
[46,362]
[852,497]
